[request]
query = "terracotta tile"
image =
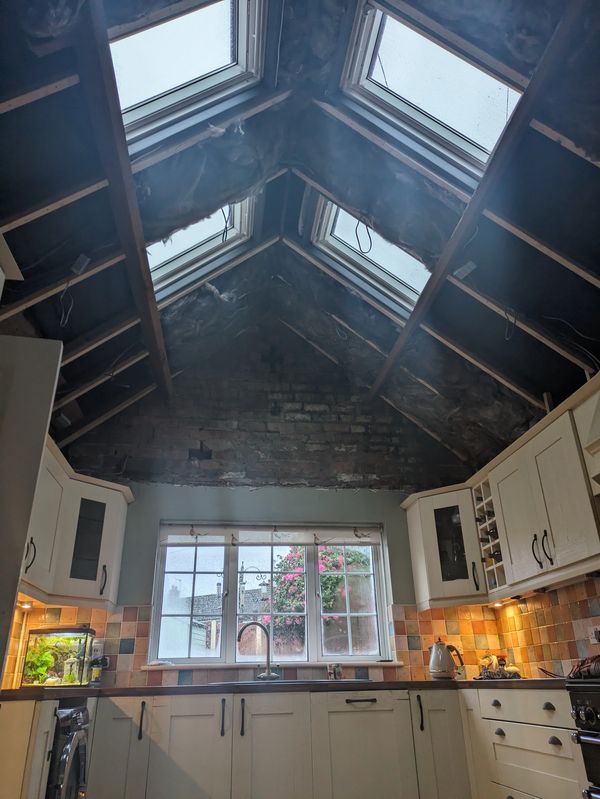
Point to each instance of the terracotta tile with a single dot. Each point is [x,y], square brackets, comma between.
[139,661]
[155,678]
[402,656]
[84,615]
[415,657]
[417,673]
[142,629]
[400,628]
[122,679]
[410,612]
[466,627]
[437,614]
[390,673]
[426,627]
[424,615]
[478,627]
[451,614]
[464,613]
[468,641]
[138,679]
[69,616]
[128,629]
[439,628]
[471,658]
[130,614]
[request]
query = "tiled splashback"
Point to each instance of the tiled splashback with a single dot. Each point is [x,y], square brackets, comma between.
[548,630]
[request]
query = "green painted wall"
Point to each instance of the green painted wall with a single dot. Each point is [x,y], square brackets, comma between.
[155,502]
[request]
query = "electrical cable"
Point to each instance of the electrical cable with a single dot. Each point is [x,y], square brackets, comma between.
[510,324]
[360,249]
[65,312]
[564,321]
[385,80]
[227,220]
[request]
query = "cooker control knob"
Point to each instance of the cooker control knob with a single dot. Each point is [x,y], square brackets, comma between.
[590,715]
[582,713]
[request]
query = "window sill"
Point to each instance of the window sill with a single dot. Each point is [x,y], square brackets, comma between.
[287,665]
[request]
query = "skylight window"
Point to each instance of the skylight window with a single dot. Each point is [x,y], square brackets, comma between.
[404,73]
[368,255]
[187,251]
[180,64]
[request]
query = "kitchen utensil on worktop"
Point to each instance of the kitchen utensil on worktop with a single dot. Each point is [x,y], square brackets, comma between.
[442,665]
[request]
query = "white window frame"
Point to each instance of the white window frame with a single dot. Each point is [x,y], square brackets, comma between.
[314,650]
[370,271]
[357,84]
[239,230]
[149,115]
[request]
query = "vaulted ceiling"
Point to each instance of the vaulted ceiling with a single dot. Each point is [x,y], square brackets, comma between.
[487,349]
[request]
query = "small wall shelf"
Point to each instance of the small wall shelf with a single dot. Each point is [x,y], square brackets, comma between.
[491,552]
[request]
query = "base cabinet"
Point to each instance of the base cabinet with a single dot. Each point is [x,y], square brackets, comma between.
[439,745]
[362,746]
[26,736]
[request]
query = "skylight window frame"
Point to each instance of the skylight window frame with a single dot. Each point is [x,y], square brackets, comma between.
[384,282]
[357,84]
[193,259]
[156,112]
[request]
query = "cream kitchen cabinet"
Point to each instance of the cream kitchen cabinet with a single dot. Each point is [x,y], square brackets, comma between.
[474,729]
[439,744]
[92,522]
[120,748]
[445,553]
[26,732]
[43,535]
[41,740]
[542,499]
[362,746]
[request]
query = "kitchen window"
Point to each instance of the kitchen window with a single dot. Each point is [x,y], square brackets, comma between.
[170,69]
[409,78]
[320,594]
[369,256]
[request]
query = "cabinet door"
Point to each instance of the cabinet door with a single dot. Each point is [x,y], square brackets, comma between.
[16,719]
[93,522]
[119,757]
[271,747]
[43,532]
[567,523]
[190,753]
[474,730]
[38,762]
[454,557]
[516,518]
[363,746]
[439,745]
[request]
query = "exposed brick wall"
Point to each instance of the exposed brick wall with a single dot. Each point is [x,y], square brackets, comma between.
[264,415]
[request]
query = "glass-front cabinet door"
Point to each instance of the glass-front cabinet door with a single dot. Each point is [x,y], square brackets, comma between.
[452,551]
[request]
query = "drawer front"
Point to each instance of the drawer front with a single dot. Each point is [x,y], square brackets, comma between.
[541,761]
[502,792]
[530,706]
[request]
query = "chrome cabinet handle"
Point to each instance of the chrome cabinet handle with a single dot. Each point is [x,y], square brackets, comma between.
[474,575]
[548,706]
[104,578]
[496,703]
[141,724]
[30,564]
[242,728]
[500,733]
[546,553]
[222,717]
[422,719]
[538,560]
[585,738]
[554,741]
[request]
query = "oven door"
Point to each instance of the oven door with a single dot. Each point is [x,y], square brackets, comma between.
[71,782]
[590,749]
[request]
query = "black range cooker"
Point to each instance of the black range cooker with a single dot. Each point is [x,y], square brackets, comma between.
[585,703]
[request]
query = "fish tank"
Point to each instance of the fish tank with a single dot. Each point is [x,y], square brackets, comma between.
[58,656]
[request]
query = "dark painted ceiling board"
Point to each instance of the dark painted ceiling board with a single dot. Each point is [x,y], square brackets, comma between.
[516,355]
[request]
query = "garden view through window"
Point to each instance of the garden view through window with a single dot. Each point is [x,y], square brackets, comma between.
[318,601]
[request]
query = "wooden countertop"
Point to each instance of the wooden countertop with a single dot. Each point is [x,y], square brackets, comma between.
[282,686]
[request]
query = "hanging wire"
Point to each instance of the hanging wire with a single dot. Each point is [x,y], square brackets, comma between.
[65,308]
[385,80]
[226,220]
[360,249]
[568,324]
[510,325]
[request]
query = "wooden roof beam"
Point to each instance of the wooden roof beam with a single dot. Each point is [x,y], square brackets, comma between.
[89,341]
[99,86]
[544,248]
[499,160]
[49,289]
[36,92]
[562,140]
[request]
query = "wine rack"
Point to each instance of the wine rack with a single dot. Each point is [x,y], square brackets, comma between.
[491,551]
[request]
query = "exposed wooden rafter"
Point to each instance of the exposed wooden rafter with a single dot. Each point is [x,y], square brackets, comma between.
[100,89]
[563,140]
[35,92]
[503,152]
[98,336]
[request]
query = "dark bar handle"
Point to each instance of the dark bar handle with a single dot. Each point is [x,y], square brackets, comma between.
[548,706]
[554,741]
[30,564]
[222,717]
[546,553]
[141,724]
[500,733]
[371,701]
[104,578]
[242,728]
[474,573]
[538,560]
[422,717]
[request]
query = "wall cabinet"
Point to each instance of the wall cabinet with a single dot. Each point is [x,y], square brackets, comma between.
[445,552]
[439,745]
[543,504]
[363,746]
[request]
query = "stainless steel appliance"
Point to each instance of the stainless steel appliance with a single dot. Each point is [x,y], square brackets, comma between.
[585,704]
[67,777]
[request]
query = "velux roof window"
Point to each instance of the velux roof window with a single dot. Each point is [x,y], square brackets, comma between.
[410,77]
[187,252]
[369,256]
[188,59]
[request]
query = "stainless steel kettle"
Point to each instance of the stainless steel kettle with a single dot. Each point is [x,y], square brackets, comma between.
[442,665]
